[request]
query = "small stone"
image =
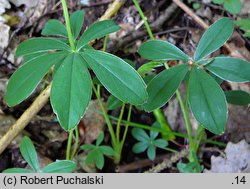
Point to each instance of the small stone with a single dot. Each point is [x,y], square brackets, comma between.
[28,3]
[4,35]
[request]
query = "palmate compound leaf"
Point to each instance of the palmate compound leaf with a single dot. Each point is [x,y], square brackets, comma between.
[71,91]
[164,85]
[54,28]
[215,37]
[24,81]
[39,45]
[76,22]
[96,153]
[230,69]
[96,31]
[207,101]
[161,50]
[28,152]
[147,142]
[60,166]
[117,76]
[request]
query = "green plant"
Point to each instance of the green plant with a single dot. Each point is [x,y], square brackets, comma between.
[157,112]
[191,167]
[147,142]
[205,98]
[244,24]
[97,152]
[71,89]
[238,97]
[232,6]
[30,155]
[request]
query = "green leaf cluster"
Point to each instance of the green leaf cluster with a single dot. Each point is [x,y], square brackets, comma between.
[147,142]
[30,155]
[72,84]
[205,97]
[97,152]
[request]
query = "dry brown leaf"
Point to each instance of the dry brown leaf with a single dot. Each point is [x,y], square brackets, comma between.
[236,160]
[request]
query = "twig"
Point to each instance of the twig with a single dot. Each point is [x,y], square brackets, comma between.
[140,164]
[24,120]
[156,26]
[96,4]
[173,30]
[197,19]
[43,98]
[167,163]
[113,9]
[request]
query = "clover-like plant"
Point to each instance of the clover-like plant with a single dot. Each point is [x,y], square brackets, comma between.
[205,97]
[147,142]
[71,57]
[97,152]
[29,153]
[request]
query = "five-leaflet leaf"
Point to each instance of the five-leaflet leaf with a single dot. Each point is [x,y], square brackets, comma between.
[71,88]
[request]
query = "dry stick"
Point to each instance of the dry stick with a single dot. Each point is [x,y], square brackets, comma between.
[156,26]
[113,9]
[43,98]
[140,164]
[197,19]
[167,163]
[24,120]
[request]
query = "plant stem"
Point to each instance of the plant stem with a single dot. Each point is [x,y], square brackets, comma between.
[188,126]
[69,145]
[68,27]
[157,112]
[115,143]
[118,126]
[106,117]
[76,143]
[150,128]
[186,117]
[145,20]
[170,150]
[106,39]
[160,118]
[126,126]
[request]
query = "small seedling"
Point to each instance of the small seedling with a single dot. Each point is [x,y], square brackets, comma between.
[147,142]
[97,152]
[30,155]
[71,57]
[205,97]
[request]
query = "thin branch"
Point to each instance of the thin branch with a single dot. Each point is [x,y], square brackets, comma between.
[24,120]
[167,163]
